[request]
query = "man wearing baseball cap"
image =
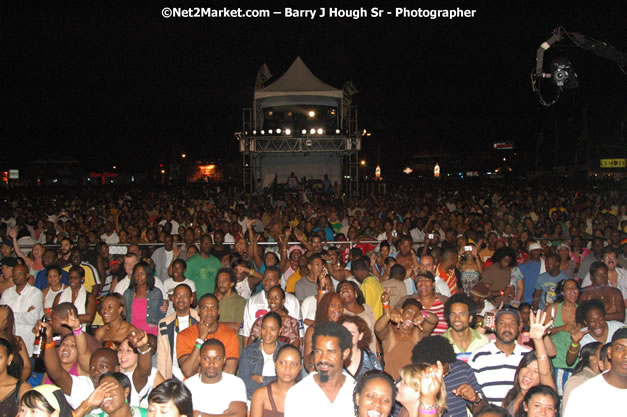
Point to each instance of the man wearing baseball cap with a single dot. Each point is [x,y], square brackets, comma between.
[495,363]
[604,394]
[531,268]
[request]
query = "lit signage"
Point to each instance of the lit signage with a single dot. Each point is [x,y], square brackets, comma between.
[614,163]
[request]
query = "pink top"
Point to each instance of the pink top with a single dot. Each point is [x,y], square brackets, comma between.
[140,311]
[73,371]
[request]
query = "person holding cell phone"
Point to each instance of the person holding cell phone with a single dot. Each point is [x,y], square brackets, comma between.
[470,266]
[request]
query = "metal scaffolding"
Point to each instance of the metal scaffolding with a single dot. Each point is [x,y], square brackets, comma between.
[253,147]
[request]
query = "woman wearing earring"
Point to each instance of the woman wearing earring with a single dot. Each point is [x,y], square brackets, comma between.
[11,386]
[76,294]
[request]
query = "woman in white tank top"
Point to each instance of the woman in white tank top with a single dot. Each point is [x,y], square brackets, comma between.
[54,287]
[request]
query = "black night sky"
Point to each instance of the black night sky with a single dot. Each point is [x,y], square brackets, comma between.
[122,85]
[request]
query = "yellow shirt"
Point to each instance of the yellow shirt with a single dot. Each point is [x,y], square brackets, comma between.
[90,279]
[290,284]
[372,290]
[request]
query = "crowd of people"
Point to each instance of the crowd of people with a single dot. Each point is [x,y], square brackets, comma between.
[485,299]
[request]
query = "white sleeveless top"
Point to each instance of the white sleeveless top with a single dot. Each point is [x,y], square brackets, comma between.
[49,300]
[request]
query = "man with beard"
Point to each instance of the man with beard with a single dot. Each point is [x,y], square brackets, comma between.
[232,305]
[216,393]
[329,391]
[459,312]
[64,256]
[495,363]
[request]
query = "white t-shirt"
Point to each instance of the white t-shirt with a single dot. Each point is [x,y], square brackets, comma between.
[216,398]
[612,326]
[306,399]
[140,399]
[175,226]
[308,309]
[242,288]
[176,369]
[110,239]
[268,364]
[596,397]
[169,285]
[82,387]
[257,306]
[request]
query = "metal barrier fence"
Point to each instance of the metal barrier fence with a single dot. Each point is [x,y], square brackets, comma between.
[121,248]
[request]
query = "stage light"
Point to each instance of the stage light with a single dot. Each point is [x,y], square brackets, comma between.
[254,132]
[278,131]
[312,131]
[270,132]
[262,131]
[304,131]
[312,113]
[308,143]
[337,131]
[320,131]
[288,131]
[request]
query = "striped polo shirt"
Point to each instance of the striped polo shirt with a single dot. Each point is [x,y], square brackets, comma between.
[495,371]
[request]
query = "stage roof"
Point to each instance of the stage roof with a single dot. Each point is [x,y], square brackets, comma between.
[298,80]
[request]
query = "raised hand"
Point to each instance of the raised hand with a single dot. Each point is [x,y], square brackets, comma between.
[71,320]
[137,338]
[96,398]
[537,327]
[577,334]
[418,320]
[431,382]
[385,297]
[396,317]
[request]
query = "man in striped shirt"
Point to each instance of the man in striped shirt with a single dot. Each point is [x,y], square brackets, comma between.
[495,363]
[462,390]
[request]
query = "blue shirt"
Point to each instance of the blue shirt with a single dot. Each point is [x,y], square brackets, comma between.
[460,373]
[530,271]
[41,280]
[548,284]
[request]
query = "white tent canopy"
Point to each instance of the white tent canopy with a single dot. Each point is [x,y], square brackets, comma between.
[298,80]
